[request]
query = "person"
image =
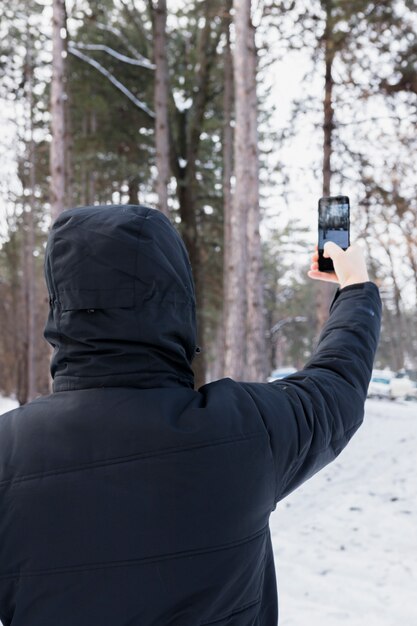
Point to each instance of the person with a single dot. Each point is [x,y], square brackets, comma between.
[127,497]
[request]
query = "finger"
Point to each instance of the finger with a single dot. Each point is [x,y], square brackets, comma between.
[331,249]
[329,277]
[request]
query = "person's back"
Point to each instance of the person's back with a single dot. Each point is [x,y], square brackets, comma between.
[127,498]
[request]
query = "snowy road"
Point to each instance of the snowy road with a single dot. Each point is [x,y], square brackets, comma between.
[345,542]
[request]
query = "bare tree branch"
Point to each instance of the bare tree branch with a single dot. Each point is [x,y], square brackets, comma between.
[206,55]
[133,13]
[116,31]
[142,62]
[141,105]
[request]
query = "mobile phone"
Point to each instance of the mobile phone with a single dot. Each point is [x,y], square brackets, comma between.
[334,222]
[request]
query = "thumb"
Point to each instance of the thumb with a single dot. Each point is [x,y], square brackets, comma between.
[331,249]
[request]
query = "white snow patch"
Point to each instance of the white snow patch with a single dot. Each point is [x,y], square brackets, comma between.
[345,542]
[7,404]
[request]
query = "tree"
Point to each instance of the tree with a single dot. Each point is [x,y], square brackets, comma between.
[244,327]
[59,148]
[113,122]
[338,33]
[25,365]
[192,53]
[325,292]
[255,340]
[188,131]
[235,300]
[162,140]
[290,318]
[227,170]
[29,282]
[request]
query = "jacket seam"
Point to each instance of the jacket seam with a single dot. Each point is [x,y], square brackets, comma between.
[130,458]
[272,457]
[363,293]
[238,609]
[128,562]
[289,474]
[334,442]
[74,377]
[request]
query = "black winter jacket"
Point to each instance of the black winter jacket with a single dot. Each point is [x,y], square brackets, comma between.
[127,498]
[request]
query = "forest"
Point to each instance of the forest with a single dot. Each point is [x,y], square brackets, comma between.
[232,117]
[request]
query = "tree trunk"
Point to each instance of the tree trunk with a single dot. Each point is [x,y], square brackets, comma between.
[30,293]
[189,132]
[397,335]
[161,104]
[58,95]
[328,105]
[410,235]
[91,188]
[22,325]
[133,187]
[13,328]
[325,291]
[186,196]
[69,152]
[256,368]
[235,354]
[29,242]
[227,175]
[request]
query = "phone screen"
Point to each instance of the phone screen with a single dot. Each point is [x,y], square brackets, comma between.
[333,226]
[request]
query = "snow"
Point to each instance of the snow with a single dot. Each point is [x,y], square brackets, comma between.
[7,404]
[345,542]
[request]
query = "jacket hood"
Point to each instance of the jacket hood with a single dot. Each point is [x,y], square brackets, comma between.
[122,301]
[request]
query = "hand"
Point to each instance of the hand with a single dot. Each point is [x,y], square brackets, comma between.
[349,265]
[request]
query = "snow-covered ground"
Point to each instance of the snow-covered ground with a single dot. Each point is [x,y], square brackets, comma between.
[345,542]
[7,404]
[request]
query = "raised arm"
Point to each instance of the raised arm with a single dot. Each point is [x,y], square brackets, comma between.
[311,415]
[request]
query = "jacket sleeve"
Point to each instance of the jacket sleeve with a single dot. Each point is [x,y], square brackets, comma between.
[311,415]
